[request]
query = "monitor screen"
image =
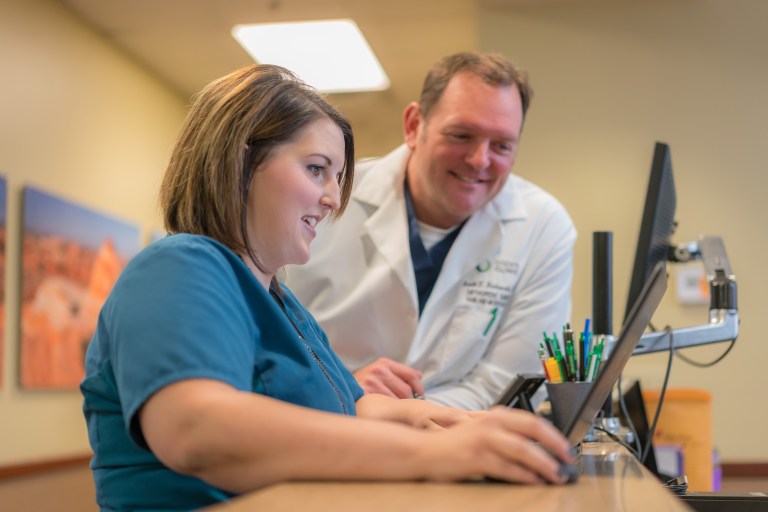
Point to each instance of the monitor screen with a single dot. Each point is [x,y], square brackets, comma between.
[658,222]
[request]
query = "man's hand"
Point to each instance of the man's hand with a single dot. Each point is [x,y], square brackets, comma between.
[388,377]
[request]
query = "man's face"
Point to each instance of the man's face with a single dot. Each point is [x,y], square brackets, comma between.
[463,153]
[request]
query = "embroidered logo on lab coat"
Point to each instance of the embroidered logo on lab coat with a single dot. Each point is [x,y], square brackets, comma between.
[493,284]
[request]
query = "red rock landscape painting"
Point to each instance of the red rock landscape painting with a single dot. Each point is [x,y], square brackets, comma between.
[71,258]
[3,216]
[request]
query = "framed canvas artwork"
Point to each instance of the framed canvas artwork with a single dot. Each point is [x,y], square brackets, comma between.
[71,258]
[3,217]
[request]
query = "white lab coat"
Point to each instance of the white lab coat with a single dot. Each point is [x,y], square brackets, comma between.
[506,279]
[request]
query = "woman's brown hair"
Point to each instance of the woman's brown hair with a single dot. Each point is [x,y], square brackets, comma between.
[231,128]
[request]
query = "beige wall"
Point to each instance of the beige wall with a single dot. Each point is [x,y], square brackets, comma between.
[613,77]
[81,121]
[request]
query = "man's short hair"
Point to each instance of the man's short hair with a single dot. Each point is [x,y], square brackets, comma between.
[493,68]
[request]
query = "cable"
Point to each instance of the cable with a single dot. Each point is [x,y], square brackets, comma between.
[707,365]
[696,363]
[651,430]
[628,419]
[678,485]
[614,437]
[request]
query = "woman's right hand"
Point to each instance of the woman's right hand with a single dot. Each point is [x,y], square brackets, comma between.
[504,444]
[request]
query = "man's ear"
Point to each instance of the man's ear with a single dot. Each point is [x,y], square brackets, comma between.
[412,122]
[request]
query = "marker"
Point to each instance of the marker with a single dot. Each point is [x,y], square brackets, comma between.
[553,370]
[560,359]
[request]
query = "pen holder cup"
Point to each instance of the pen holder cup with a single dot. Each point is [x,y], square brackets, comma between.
[565,398]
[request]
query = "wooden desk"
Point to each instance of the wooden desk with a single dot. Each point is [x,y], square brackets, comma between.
[611,480]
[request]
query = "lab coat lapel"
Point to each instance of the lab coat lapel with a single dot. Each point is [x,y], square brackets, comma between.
[388,230]
[381,192]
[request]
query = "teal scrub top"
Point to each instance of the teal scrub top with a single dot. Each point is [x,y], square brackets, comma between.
[187,307]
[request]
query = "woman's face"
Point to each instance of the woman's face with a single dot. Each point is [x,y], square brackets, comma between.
[294,189]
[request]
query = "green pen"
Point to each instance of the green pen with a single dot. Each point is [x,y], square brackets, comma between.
[594,359]
[599,354]
[570,358]
[494,311]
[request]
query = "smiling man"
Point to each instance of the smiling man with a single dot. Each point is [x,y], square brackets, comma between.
[445,269]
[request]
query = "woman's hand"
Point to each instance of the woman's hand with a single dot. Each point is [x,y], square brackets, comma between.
[505,444]
[429,416]
[415,413]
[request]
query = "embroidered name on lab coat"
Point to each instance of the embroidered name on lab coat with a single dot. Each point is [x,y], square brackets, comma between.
[492,284]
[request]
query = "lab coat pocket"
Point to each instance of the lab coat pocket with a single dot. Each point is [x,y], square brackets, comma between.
[469,333]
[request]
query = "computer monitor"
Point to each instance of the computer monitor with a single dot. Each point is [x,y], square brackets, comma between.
[658,222]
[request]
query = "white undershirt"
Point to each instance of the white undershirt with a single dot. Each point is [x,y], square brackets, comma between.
[431,235]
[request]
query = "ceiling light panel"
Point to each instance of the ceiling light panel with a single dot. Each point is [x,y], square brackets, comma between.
[330,55]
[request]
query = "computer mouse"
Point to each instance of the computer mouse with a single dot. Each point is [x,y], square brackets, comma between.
[566,469]
[570,471]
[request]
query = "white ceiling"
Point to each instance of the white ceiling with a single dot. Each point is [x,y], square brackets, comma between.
[187,43]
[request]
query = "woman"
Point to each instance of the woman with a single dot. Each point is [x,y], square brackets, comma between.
[205,379]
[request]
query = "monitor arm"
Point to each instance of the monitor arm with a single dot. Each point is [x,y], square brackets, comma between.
[723,313]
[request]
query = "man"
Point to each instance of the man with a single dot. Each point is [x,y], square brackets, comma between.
[444,271]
